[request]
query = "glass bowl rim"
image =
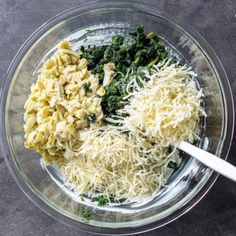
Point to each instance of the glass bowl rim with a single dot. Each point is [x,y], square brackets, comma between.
[193,34]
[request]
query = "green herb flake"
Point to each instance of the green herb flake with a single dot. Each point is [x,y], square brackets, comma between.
[172,165]
[90,32]
[82,48]
[170,150]
[91,118]
[86,214]
[195,142]
[86,87]
[102,201]
[81,198]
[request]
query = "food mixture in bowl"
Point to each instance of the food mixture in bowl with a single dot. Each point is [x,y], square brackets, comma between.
[110,117]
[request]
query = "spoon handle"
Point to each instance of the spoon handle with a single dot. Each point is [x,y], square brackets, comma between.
[217,164]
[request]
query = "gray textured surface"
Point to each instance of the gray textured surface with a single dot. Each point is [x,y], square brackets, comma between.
[215,215]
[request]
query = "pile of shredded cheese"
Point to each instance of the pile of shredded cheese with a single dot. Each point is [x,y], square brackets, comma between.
[166,108]
[114,163]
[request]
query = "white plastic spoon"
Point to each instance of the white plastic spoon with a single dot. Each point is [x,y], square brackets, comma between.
[217,164]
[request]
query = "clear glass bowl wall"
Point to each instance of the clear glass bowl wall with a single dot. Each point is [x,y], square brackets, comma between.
[186,186]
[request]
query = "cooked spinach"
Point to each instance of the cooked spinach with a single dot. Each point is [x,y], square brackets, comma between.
[81,197]
[91,117]
[86,87]
[127,53]
[102,201]
[86,214]
[172,165]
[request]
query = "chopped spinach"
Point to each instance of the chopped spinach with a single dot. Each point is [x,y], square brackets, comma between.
[86,87]
[170,150]
[102,201]
[94,55]
[131,52]
[172,165]
[91,118]
[81,197]
[86,214]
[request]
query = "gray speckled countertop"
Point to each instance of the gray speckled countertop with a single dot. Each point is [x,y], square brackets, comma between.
[215,215]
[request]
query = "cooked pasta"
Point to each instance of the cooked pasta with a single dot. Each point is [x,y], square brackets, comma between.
[60,104]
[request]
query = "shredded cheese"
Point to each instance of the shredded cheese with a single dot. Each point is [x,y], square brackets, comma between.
[117,164]
[166,108]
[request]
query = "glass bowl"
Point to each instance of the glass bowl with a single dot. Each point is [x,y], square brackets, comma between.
[104,19]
